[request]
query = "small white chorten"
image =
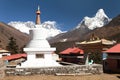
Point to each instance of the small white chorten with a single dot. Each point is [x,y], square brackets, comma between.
[39,52]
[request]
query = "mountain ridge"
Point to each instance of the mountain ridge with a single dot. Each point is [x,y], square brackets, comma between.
[84,27]
[110,32]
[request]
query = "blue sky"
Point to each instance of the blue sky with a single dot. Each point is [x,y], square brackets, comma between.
[67,13]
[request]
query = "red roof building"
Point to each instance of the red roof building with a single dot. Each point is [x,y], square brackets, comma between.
[15,56]
[72,55]
[74,50]
[114,49]
[112,61]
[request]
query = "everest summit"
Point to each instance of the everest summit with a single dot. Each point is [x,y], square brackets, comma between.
[22,26]
[50,27]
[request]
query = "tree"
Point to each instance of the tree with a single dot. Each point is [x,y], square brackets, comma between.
[96,57]
[21,49]
[12,46]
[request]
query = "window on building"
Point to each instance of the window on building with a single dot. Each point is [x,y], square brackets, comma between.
[4,55]
[39,55]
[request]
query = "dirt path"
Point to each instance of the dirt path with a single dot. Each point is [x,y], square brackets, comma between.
[52,77]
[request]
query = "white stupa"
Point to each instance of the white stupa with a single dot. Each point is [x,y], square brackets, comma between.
[39,52]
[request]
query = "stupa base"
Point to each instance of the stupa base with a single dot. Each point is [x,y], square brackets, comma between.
[38,64]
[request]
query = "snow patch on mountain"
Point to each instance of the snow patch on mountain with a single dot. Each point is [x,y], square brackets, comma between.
[22,26]
[99,20]
[50,26]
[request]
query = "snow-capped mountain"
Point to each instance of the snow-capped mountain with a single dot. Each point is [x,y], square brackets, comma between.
[84,27]
[50,26]
[99,20]
[22,26]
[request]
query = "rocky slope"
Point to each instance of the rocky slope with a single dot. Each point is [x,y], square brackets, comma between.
[7,31]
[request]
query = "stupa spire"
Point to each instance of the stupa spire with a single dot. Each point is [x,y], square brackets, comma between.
[38,8]
[38,21]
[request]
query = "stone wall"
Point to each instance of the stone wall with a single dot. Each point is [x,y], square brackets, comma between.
[79,69]
[2,68]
